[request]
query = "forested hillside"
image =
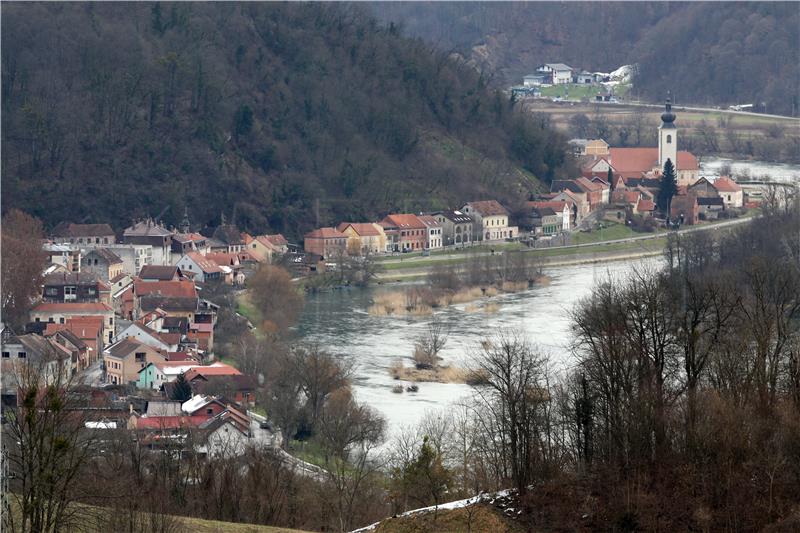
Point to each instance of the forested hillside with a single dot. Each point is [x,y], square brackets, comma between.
[280,116]
[706,53]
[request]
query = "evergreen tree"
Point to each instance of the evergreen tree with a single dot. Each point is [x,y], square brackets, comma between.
[610,179]
[669,187]
[182,390]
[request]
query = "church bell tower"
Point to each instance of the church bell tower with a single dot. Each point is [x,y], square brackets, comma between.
[667,137]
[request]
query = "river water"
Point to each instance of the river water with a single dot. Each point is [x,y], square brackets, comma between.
[339,322]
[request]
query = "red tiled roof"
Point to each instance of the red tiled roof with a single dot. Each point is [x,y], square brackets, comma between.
[223,258]
[555,205]
[645,205]
[169,422]
[487,208]
[119,277]
[170,289]
[362,229]
[216,370]
[404,221]
[637,160]
[725,184]
[589,185]
[206,265]
[158,272]
[69,307]
[325,233]
[428,220]
[277,240]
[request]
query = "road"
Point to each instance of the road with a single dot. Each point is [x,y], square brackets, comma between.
[649,236]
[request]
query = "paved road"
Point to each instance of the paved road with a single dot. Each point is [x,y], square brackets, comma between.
[487,247]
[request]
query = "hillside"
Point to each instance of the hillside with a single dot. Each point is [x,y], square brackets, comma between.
[279,116]
[706,53]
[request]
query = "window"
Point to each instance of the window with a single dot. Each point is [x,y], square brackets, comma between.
[669,139]
[91,291]
[37,319]
[97,241]
[6,355]
[22,355]
[209,411]
[61,320]
[51,291]
[105,240]
[140,357]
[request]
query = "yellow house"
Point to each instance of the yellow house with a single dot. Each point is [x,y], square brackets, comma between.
[126,358]
[264,247]
[363,238]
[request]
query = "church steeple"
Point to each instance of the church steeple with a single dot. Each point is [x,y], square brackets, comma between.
[185,226]
[667,136]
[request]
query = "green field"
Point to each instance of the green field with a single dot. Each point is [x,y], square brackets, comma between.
[573,91]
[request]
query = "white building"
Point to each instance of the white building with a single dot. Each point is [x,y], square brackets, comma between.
[561,73]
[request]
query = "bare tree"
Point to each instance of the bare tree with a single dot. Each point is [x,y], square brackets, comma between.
[23,262]
[429,343]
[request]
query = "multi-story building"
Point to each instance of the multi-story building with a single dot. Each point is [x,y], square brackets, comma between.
[456,228]
[491,221]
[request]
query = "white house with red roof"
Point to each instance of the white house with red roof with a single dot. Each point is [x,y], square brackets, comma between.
[491,220]
[730,191]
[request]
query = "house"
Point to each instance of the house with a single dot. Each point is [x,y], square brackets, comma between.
[183,243]
[264,247]
[645,207]
[545,221]
[81,356]
[564,208]
[154,234]
[59,313]
[325,242]
[103,262]
[583,77]
[150,295]
[456,227]
[202,268]
[491,221]
[710,206]
[239,388]
[202,373]
[560,72]
[596,147]
[578,199]
[161,273]
[685,208]
[537,79]
[222,436]
[87,331]
[50,361]
[63,255]
[230,238]
[596,194]
[124,359]
[730,192]
[75,287]
[163,341]
[433,240]
[83,233]
[411,232]
[363,238]
[155,374]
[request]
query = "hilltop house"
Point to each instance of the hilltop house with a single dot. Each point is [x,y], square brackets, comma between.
[490,220]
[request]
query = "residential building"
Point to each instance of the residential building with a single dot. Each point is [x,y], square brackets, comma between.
[154,234]
[89,330]
[230,237]
[154,375]
[537,79]
[583,78]
[161,273]
[456,227]
[560,72]
[83,233]
[325,242]
[239,388]
[434,237]
[730,192]
[75,287]
[491,221]
[411,233]
[264,247]
[563,208]
[81,355]
[710,207]
[199,266]
[183,243]
[578,199]
[59,313]
[686,209]
[124,359]
[63,255]
[545,221]
[363,238]
[103,262]
[50,361]
[162,341]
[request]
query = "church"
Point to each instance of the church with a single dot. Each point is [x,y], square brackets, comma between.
[637,165]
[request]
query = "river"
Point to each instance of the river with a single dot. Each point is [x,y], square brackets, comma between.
[339,322]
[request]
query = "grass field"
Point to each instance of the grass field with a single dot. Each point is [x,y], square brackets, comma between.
[574,91]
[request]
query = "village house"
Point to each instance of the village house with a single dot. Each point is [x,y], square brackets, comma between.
[51,361]
[124,359]
[433,239]
[183,243]
[411,233]
[537,79]
[564,208]
[264,247]
[200,267]
[325,242]
[103,262]
[560,72]
[710,207]
[63,255]
[491,221]
[363,238]
[684,207]
[161,273]
[545,221]
[154,375]
[229,236]
[83,233]
[154,234]
[578,199]
[60,312]
[456,227]
[75,287]
[81,355]
[239,388]
[730,192]
[89,330]
[162,341]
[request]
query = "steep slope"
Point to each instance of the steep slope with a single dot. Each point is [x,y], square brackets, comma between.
[282,116]
[705,52]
